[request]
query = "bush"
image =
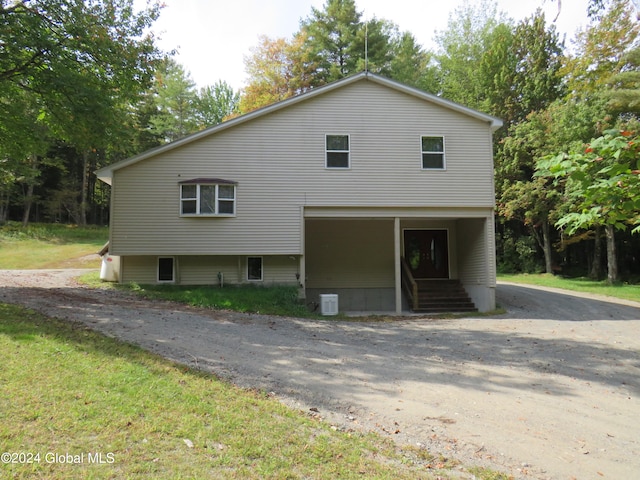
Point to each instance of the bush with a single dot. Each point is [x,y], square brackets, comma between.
[517,255]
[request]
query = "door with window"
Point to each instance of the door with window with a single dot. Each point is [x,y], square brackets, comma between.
[427,253]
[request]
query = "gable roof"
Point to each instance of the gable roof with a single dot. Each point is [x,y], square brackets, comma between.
[106,173]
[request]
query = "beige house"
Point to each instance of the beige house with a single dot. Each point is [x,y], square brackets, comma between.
[365,188]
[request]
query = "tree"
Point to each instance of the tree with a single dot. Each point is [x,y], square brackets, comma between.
[601,51]
[272,72]
[331,44]
[374,45]
[215,103]
[624,97]
[603,184]
[538,52]
[533,203]
[465,75]
[175,98]
[79,64]
[596,7]
[334,40]
[412,65]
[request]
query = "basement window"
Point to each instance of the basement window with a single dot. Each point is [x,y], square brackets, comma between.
[166,269]
[254,269]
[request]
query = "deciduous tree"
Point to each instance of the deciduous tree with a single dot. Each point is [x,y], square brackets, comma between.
[81,64]
[603,186]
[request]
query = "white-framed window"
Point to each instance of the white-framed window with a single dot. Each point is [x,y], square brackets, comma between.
[207,197]
[337,148]
[166,270]
[433,152]
[254,269]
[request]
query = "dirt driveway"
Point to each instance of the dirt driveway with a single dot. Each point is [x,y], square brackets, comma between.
[549,390]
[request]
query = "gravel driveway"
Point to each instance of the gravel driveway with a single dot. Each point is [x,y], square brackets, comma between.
[549,390]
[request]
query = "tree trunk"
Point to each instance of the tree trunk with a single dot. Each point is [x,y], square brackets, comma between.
[31,183]
[85,187]
[596,267]
[4,205]
[546,241]
[612,261]
[28,201]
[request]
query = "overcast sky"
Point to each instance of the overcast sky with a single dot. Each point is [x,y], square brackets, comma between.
[212,37]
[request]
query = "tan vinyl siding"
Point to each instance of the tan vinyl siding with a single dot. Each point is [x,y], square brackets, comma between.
[349,253]
[203,270]
[473,255]
[139,269]
[278,161]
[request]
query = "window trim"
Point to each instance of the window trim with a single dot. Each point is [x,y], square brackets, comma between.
[327,151]
[261,279]
[443,153]
[173,269]
[208,182]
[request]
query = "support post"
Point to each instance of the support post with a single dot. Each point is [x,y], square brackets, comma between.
[396,255]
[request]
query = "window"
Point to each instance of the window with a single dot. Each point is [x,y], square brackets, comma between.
[254,269]
[433,153]
[207,197]
[337,151]
[166,269]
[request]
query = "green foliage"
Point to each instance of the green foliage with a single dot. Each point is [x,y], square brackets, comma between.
[175,98]
[69,72]
[538,52]
[464,67]
[215,103]
[332,43]
[411,65]
[624,97]
[275,300]
[276,70]
[602,184]
[332,40]
[600,51]
[80,61]
[517,253]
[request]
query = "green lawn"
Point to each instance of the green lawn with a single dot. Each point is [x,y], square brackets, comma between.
[68,390]
[625,291]
[50,246]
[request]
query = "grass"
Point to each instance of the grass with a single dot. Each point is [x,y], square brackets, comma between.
[68,391]
[277,300]
[50,246]
[585,285]
[272,300]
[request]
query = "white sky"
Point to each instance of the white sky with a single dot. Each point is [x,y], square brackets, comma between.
[212,37]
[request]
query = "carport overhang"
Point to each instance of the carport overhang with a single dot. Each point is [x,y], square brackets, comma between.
[471,237]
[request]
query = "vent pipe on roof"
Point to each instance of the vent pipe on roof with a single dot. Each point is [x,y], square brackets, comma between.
[366,43]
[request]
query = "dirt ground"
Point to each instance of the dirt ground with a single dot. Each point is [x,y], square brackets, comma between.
[549,390]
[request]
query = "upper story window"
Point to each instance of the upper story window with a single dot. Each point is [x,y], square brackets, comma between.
[207,197]
[337,151]
[433,153]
